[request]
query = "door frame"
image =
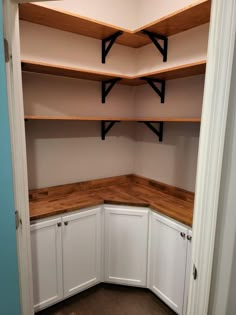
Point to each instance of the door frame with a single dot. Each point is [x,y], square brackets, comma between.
[18,146]
[211,146]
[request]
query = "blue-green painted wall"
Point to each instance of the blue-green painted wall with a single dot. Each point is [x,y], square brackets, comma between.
[9,284]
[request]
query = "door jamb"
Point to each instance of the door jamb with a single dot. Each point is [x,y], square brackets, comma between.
[19,163]
[211,147]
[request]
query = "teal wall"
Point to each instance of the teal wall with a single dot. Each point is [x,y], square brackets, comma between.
[9,285]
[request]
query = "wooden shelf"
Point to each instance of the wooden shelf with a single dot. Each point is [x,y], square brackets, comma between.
[182,71]
[131,119]
[191,16]
[58,70]
[108,122]
[186,70]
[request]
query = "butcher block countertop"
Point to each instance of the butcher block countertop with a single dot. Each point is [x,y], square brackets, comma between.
[129,190]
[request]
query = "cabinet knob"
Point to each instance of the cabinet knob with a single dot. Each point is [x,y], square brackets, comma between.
[66,222]
[189,238]
[59,224]
[194,272]
[182,234]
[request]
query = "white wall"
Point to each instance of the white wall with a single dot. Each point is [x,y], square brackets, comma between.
[174,161]
[41,43]
[223,287]
[151,10]
[186,47]
[183,98]
[52,95]
[66,152]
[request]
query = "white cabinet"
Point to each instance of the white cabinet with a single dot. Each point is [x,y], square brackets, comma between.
[81,250]
[168,253]
[119,245]
[126,245]
[66,252]
[46,262]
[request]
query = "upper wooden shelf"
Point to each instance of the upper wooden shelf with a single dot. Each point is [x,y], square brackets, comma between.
[186,70]
[131,119]
[191,16]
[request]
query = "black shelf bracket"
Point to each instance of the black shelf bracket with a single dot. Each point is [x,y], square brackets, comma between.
[155,38]
[107,43]
[157,132]
[105,129]
[160,91]
[107,87]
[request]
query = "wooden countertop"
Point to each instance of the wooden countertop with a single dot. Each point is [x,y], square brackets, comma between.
[133,191]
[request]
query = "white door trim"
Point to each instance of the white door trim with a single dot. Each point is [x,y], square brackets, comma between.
[215,107]
[212,135]
[16,118]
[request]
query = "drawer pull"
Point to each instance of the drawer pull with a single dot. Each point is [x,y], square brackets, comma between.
[59,224]
[66,222]
[182,234]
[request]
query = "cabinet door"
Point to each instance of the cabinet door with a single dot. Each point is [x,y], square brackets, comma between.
[81,250]
[168,261]
[188,271]
[126,245]
[46,250]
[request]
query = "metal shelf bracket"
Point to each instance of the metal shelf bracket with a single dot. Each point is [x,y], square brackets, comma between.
[107,43]
[155,38]
[107,87]
[157,132]
[160,91]
[105,129]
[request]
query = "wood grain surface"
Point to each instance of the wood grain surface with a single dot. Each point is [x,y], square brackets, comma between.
[130,190]
[184,19]
[127,119]
[191,16]
[177,72]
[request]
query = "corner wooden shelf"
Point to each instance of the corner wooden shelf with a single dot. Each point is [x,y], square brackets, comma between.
[125,119]
[64,71]
[191,16]
[181,71]
[108,122]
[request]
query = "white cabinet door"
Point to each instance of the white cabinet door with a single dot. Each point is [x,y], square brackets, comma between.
[126,245]
[46,249]
[81,250]
[168,252]
[188,271]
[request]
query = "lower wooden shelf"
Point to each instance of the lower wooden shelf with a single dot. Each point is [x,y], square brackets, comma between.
[128,119]
[108,122]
